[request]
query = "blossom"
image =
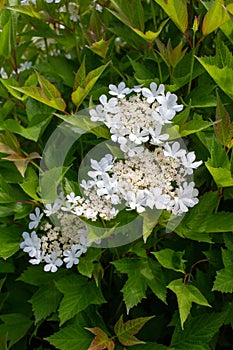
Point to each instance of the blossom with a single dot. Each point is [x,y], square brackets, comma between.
[53,262]
[155,198]
[97,114]
[105,164]
[152,93]
[72,198]
[174,151]
[52,208]
[35,218]
[156,137]
[186,198]
[136,201]
[138,136]
[72,255]
[120,91]
[129,147]
[110,105]
[168,106]
[31,243]
[189,164]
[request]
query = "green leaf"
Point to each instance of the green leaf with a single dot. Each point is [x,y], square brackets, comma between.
[101,340]
[7,194]
[15,326]
[83,90]
[215,17]
[197,332]
[130,13]
[79,293]
[149,35]
[150,219]
[29,10]
[126,331]
[220,68]
[10,238]
[100,47]
[224,279]
[86,264]
[194,126]
[177,11]
[47,93]
[170,259]
[222,176]
[186,295]
[142,273]
[49,182]
[224,128]
[71,338]
[45,301]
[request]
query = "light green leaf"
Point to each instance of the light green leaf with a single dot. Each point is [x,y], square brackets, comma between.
[197,332]
[15,326]
[130,13]
[186,295]
[170,259]
[82,91]
[126,331]
[45,301]
[47,93]
[150,219]
[100,47]
[224,279]
[222,176]
[101,340]
[194,126]
[177,11]
[10,238]
[215,17]
[49,181]
[149,35]
[29,10]
[79,293]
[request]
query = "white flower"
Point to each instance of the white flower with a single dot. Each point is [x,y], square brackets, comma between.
[72,198]
[136,201]
[52,208]
[110,106]
[35,218]
[137,88]
[156,137]
[31,244]
[185,199]
[168,106]
[37,259]
[72,255]
[97,114]
[129,147]
[120,91]
[24,66]
[87,184]
[73,11]
[53,262]
[174,151]
[108,187]
[156,199]
[138,136]
[153,92]
[105,164]
[188,160]
[3,73]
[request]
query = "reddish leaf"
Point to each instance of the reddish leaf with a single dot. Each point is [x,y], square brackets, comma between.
[101,340]
[126,331]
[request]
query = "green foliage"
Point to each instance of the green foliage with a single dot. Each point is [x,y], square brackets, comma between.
[175,272]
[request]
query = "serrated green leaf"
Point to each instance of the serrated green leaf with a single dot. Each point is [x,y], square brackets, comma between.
[197,332]
[170,259]
[130,13]
[79,293]
[194,126]
[224,279]
[71,338]
[101,340]
[177,11]
[126,331]
[86,264]
[222,176]
[215,17]
[7,194]
[186,295]
[142,273]
[45,301]
[15,325]
[49,182]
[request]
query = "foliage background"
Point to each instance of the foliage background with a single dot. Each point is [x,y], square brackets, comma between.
[184,279]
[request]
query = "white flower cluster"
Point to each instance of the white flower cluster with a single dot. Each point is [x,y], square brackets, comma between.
[64,243]
[153,173]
